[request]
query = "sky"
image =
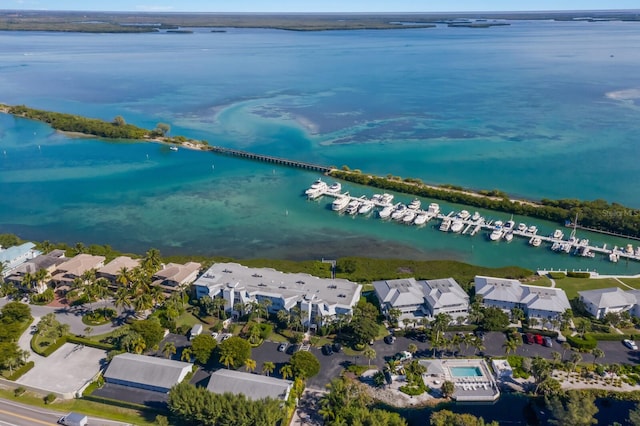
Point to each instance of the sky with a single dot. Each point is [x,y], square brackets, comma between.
[317,5]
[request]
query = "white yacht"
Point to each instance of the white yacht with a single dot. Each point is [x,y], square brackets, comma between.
[434,209]
[567,247]
[410,216]
[173,148]
[509,225]
[353,206]
[532,229]
[421,218]
[316,187]
[464,215]
[366,207]
[385,213]
[386,198]
[445,225]
[508,236]
[341,202]
[312,194]
[556,246]
[415,204]
[399,212]
[629,249]
[476,216]
[557,234]
[522,227]
[497,232]
[535,241]
[335,188]
[457,225]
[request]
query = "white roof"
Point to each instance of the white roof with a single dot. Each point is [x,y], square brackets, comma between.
[290,287]
[608,297]
[12,253]
[444,292]
[534,297]
[253,386]
[147,370]
[400,292]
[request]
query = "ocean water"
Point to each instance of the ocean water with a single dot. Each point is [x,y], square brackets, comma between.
[537,109]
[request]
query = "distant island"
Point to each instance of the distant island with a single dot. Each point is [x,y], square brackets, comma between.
[136,22]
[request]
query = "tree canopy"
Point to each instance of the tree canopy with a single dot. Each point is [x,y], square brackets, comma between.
[304,364]
[449,418]
[575,408]
[234,352]
[150,330]
[202,347]
[194,405]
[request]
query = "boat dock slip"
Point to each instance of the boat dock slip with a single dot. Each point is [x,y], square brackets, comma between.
[271,159]
[463,223]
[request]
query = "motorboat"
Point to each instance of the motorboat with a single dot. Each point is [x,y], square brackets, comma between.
[567,247]
[353,207]
[410,216]
[522,227]
[415,204]
[614,257]
[399,213]
[532,229]
[629,249]
[421,218]
[586,252]
[476,216]
[445,225]
[464,215]
[557,234]
[535,241]
[497,232]
[341,202]
[312,194]
[457,225]
[434,209]
[385,213]
[335,188]
[509,225]
[316,187]
[508,236]
[366,207]
[173,148]
[556,246]
[386,198]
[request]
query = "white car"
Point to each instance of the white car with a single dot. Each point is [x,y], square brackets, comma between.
[630,344]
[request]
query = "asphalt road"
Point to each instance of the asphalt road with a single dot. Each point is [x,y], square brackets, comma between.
[16,414]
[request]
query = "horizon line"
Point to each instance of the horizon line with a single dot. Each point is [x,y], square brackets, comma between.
[324,12]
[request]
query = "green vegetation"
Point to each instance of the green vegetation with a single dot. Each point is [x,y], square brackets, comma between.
[572,286]
[449,418]
[192,405]
[234,352]
[304,364]
[575,408]
[15,317]
[348,403]
[597,214]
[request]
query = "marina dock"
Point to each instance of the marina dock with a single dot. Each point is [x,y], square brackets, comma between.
[463,222]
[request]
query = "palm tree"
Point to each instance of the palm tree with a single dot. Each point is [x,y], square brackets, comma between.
[286,371]
[412,348]
[268,367]
[597,353]
[565,347]
[283,316]
[218,305]
[123,298]
[41,276]
[227,359]
[169,349]
[370,354]
[250,364]
[152,262]
[266,303]
[510,345]
[124,277]
[87,331]
[556,357]
[186,355]
[139,345]
[576,358]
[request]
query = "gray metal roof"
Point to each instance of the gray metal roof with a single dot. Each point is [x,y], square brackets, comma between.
[291,287]
[147,370]
[253,386]
[513,291]
[11,253]
[444,292]
[608,297]
[400,292]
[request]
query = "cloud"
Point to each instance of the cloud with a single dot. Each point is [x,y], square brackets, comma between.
[154,8]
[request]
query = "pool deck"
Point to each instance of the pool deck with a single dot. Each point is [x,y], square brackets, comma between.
[468,388]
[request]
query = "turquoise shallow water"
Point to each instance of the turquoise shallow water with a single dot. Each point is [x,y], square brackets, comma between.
[537,109]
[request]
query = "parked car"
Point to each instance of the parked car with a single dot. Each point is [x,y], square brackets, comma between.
[326,349]
[528,338]
[422,337]
[214,335]
[282,347]
[538,339]
[480,335]
[73,419]
[630,344]
[403,356]
[546,341]
[337,347]
[225,336]
[389,339]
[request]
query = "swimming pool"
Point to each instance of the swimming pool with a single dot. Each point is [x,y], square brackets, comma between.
[465,371]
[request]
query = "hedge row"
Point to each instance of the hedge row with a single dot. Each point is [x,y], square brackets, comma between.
[49,349]
[121,404]
[557,275]
[90,343]
[21,371]
[574,274]
[586,344]
[611,337]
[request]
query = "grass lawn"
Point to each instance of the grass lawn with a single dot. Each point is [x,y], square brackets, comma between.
[277,337]
[572,285]
[633,282]
[136,417]
[539,281]
[187,319]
